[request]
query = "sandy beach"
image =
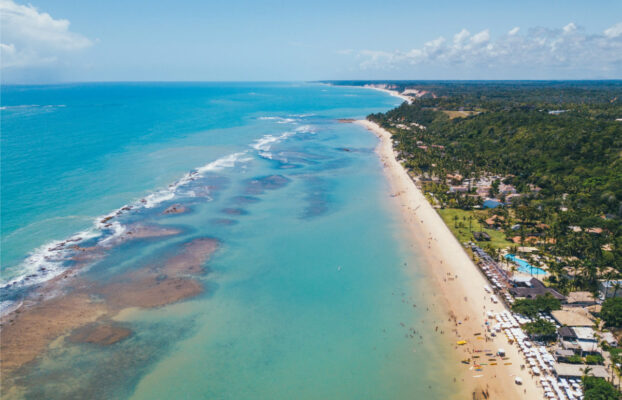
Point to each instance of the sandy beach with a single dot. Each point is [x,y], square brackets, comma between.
[458,283]
[393,93]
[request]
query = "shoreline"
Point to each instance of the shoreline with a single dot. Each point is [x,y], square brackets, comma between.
[457,281]
[393,93]
[390,92]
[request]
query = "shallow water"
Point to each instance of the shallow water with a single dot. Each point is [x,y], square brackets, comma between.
[312,293]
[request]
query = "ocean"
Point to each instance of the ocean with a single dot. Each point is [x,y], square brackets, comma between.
[311,293]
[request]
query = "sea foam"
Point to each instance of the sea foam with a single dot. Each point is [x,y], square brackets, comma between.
[50,260]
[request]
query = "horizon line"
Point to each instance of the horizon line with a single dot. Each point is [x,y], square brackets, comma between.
[309,81]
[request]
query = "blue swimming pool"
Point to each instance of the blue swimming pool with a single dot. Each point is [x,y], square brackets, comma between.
[491,204]
[524,266]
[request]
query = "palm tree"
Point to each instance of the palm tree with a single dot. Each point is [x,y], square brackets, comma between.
[616,362]
[608,276]
[586,371]
[616,286]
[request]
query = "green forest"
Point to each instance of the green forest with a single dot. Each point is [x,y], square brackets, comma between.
[559,144]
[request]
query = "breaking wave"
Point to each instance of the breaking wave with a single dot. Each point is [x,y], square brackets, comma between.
[51,259]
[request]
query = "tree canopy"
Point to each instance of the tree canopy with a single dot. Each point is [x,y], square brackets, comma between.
[532,307]
[611,312]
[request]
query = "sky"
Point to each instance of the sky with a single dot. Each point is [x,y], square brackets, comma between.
[48,41]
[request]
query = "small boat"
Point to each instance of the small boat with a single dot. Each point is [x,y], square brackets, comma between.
[461,342]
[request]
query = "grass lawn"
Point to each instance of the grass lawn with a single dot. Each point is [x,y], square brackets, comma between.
[462,232]
[459,114]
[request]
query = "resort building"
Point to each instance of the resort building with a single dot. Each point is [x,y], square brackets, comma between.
[481,236]
[506,189]
[563,370]
[609,289]
[495,221]
[567,334]
[580,299]
[571,318]
[586,340]
[608,338]
[530,288]
[562,355]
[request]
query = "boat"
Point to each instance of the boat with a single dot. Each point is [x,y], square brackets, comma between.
[461,342]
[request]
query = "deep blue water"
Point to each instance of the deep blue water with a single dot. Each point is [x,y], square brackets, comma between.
[312,293]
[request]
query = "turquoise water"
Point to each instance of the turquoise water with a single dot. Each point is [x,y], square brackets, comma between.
[312,292]
[524,266]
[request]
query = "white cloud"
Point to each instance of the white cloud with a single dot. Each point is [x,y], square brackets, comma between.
[571,27]
[569,49]
[34,38]
[461,36]
[614,31]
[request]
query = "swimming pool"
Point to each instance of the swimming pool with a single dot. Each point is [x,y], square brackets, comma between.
[524,266]
[491,204]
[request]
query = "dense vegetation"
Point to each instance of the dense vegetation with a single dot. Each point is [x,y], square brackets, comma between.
[557,143]
[541,329]
[599,389]
[611,312]
[532,307]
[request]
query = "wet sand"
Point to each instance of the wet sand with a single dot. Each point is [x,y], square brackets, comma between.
[103,334]
[459,287]
[83,309]
[27,332]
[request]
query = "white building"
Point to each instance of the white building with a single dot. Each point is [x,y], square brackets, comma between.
[609,289]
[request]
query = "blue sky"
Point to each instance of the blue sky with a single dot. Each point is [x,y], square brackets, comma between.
[56,41]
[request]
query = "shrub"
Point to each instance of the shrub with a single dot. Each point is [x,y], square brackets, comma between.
[594,359]
[531,307]
[598,389]
[611,312]
[541,328]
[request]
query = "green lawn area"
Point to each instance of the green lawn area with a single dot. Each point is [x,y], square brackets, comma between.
[462,232]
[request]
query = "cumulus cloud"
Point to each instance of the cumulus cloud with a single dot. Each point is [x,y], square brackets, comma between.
[34,38]
[566,48]
[614,31]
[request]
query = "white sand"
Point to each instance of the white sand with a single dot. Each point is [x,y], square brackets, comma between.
[393,93]
[465,296]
